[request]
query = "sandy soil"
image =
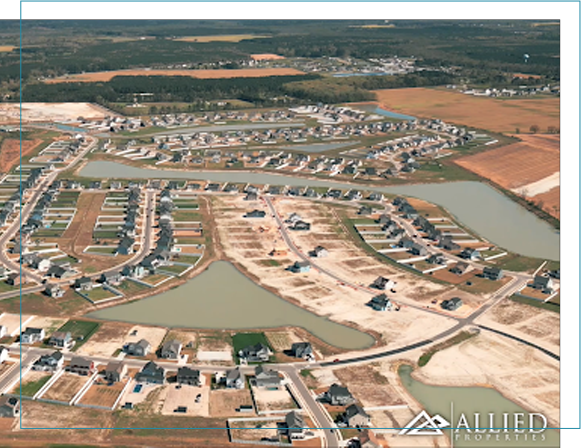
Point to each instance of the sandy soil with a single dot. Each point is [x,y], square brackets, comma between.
[107,339]
[525,321]
[541,186]
[65,388]
[273,400]
[102,394]
[318,292]
[185,396]
[266,57]
[10,152]
[514,166]
[201,74]
[224,402]
[12,321]
[10,112]
[499,115]
[50,324]
[521,374]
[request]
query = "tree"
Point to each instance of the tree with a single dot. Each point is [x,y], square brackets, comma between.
[552,130]
[534,128]
[517,131]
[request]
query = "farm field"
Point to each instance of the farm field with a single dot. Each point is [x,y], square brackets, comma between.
[485,113]
[10,152]
[220,38]
[200,74]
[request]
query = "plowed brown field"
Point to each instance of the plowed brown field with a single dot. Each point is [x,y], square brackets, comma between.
[10,152]
[499,115]
[201,74]
[550,201]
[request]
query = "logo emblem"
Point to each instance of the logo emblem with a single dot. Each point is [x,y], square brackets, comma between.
[425,425]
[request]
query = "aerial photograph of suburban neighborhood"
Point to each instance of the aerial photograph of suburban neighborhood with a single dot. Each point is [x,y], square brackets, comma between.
[293,233]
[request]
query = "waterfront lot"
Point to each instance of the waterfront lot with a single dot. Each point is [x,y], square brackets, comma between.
[65,387]
[106,340]
[81,330]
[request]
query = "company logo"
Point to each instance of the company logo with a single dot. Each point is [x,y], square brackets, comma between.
[425,425]
[477,427]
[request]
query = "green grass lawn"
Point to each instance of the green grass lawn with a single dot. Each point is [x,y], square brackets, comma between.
[174,269]
[518,263]
[105,234]
[32,387]
[185,258]
[187,216]
[97,294]
[154,279]
[83,329]
[129,287]
[102,250]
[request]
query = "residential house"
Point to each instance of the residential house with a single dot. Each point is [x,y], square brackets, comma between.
[84,284]
[32,335]
[365,210]
[452,304]
[255,214]
[251,197]
[470,254]
[446,242]
[382,283]
[436,259]
[111,278]
[355,416]
[81,366]
[265,377]
[544,284]
[171,349]
[300,225]
[459,268]
[319,252]
[255,353]
[140,348]
[294,426]
[302,350]
[62,339]
[380,303]
[115,371]
[54,291]
[9,406]
[15,279]
[492,273]
[235,379]
[49,363]
[338,395]
[151,373]
[418,249]
[300,267]
[188,376]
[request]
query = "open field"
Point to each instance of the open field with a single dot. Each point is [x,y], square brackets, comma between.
[485,113]
[10,152]
[106,340]
[266,57]
[518,165]
[66,387]
[200,74]
[550,201]
[220,38]
[368,384]
[10,112]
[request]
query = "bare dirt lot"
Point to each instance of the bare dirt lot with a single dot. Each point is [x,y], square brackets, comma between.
[273,400]
[522,374]
[499,115]
[66,387]
[101,394]
[201,74]
[10,112]
[186,396]
[225,402]
[266,57]
[515,166]
[107,339]
[550,201]
[10,152]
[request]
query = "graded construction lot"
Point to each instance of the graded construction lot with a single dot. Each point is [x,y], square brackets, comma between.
[10,112]
[226,402]
[102,394]
[109,338]
[525,321]
[273,400]
[522,374]
[318,292]
[185,396]
[200,74]
[499,115]
[66,387]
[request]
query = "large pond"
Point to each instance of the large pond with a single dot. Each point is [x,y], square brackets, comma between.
[221,297]
[478,206]
[319,147]
[450,402]
[229,127]
[372,108]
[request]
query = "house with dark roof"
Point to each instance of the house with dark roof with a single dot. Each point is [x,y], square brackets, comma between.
[115,371]
[492,273]
[380,303]
[446,242]
[81,366]
[338,395]
[49,362]
[84,284]
[382,283]
[61,339]
[188,376]
[470,254]
[235,379]
[255,353]
[255,214]
[544,284]
[294,426]
[32,335]
[300,225]
[9,406]
[459,268]
[452,304]
[355,416]
[301,350]
[151,373]
[300,267]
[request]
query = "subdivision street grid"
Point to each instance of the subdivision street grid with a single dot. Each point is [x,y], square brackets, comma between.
[149,235]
